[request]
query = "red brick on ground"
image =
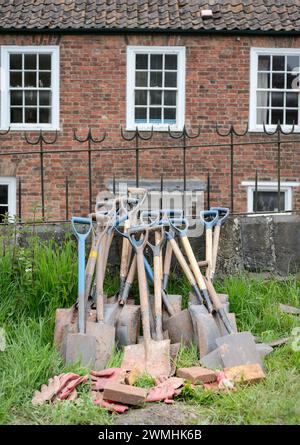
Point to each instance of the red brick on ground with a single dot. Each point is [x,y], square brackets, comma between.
[127,394]
[197,374]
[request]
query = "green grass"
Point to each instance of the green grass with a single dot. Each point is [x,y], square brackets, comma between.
[41,276]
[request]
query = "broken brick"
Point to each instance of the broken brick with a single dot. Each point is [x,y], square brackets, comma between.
[197,375]
[127,394]
[245,373]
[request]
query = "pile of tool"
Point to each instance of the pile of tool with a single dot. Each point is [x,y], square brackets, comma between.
[91,329]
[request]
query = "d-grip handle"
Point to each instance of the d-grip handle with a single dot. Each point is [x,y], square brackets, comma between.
[223,213]
[140,243]
[209,223]
[84,221]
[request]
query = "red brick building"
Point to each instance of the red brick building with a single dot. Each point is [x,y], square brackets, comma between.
[148,64]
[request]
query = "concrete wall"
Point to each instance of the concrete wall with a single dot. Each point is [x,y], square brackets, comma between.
[256,244]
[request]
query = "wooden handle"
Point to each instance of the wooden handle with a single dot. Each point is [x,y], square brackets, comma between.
[129,280]
[168,259]
[90,268]
[157,297]
[216,239]
[99,284]
[125,252]
[181,260]
[213,295]
[208,244]
[193,262]
[143,291]
[158,238]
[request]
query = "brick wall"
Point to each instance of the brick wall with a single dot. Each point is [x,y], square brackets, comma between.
[93,90]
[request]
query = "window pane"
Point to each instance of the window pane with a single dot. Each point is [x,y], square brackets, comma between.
[277,116]
[45,115]
[155,115]
[292,62]
[30,98]
[292,81]
[15,61]
[16,98]
[263,98]
[45,97]
[16,115]
[30,79]
[171,62]
[267,201]
[277,99]
[155,97]
[30,61]
[170,79]
[141,61]
[16,79]
[45,61]
[291,117]
[170,115]
[141,97]
[263,80]
[292,99]
[3,194]
[278,63]
[140,115]
[264,63]
[156,61]
[170,97]
[278,81]
[155,79]
[44,80]
[141,78]
[30,115]
[262,116]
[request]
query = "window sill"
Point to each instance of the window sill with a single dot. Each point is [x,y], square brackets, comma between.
[31,128]
[272,128]
[160,128]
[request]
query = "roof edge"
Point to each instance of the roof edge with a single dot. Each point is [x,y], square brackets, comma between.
[70,31]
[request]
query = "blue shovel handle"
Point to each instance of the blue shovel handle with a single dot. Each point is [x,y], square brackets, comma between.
[81,266]
[212,214]
[223,213]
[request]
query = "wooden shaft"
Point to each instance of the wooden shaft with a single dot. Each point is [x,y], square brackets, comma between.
[181,260]
[216,239]
[143,291]
[125,252]
[208,244]
[157,296]
[90,268]
[193,263]
[168,259]
[99,283]
[213,295]
[129,280]
[158,236]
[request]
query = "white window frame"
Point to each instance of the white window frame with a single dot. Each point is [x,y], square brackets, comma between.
[180,106]
[270,186]
[12,194]
[5,103]
[254,53]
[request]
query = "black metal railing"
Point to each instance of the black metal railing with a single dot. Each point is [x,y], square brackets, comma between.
[183,143]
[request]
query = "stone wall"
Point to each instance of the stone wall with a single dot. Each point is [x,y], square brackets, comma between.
[254,244]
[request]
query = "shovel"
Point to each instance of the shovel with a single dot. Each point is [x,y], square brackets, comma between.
[151,356]
[223,213]
[81,346]
[103,332]
[182,233]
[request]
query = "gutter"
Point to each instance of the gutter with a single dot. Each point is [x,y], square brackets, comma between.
[112,31]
